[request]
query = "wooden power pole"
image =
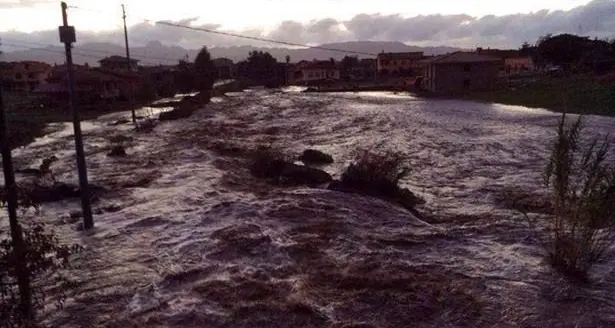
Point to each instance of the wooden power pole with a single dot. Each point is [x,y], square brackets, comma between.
[132,108]
[21,270]
[68,36]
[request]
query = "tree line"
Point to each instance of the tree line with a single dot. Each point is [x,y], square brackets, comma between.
[572,53]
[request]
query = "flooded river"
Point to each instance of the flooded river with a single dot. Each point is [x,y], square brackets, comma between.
[193,240]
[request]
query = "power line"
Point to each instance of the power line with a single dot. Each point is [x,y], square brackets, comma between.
[236,35]
[263,39]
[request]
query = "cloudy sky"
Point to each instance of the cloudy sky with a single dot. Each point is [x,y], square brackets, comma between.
[467,23]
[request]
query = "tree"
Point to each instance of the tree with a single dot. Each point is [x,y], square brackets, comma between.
[575,52]
[564,50]
[204,71]
[527,49]
[286,70]
[260,67]
[346,66]
[147,90]
[185,77]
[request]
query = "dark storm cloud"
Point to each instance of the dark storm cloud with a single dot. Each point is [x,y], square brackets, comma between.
[594,19]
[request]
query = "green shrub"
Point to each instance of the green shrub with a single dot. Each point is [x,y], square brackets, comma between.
[582,188]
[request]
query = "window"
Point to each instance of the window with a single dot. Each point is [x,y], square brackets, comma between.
[18,76]
[466,67]
[466,84]
[30,75]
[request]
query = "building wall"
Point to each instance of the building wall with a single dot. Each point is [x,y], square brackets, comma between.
[519,64]
[312,74]
[455,78]
[26,76]
[394,64]
[397,61]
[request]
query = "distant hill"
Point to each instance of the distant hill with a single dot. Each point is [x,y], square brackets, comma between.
[156,53]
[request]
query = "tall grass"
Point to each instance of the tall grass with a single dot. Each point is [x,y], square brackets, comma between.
[582,187]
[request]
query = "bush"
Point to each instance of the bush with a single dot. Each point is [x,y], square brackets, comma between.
[582,188]
[44,256]
[267,162]
[376,173]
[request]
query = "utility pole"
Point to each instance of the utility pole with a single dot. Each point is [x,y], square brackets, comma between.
[23,276]
[67,36]
[132,107]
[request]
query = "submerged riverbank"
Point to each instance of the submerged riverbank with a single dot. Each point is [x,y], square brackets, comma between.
[27,122]
[578,95]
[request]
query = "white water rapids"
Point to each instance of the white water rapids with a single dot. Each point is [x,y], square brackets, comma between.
[188,238]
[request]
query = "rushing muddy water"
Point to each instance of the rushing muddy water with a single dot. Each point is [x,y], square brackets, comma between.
[186,238]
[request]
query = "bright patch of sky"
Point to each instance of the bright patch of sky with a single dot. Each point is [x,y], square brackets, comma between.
[33,15]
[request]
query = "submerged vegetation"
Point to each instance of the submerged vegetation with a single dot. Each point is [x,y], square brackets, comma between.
[378,174]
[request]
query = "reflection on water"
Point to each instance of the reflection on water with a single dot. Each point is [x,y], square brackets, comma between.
[520,109]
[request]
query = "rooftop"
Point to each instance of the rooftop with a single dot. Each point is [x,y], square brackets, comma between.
[222,62]
[401,55]
[117,59]
[502,53]
[321,64]
[463,57]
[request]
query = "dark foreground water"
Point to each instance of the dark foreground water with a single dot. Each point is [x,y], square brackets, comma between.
[189,239]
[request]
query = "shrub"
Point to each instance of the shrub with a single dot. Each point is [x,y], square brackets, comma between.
[44,256]
[376,173]
[267,162]
[582,188]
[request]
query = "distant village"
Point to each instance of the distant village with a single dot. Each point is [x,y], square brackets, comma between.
[116,79]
